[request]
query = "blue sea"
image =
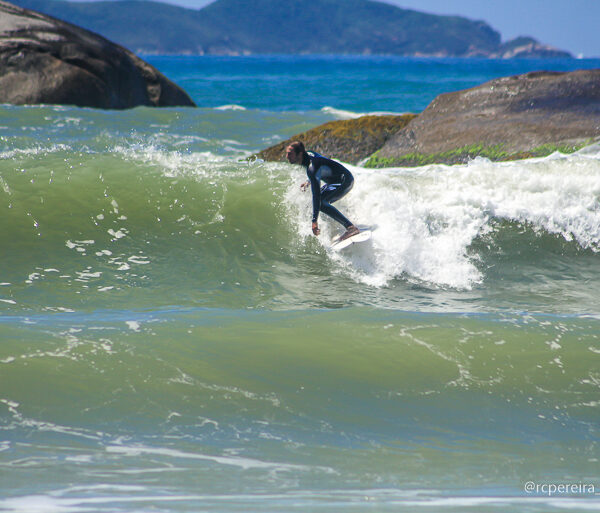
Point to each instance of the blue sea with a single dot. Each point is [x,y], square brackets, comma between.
[173,338]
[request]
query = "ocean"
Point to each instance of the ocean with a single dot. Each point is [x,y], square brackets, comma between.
[174,339]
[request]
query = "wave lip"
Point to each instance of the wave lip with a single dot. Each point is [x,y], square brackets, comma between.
[348,114]
[232,106]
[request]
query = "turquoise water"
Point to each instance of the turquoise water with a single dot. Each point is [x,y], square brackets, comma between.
[359,84]
[173,338]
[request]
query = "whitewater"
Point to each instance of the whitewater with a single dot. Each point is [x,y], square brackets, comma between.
[174,338]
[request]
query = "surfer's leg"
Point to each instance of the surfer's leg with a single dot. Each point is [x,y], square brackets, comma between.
[331,193]
[334,213]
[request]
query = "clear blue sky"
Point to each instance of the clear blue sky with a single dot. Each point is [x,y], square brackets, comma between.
[571,25]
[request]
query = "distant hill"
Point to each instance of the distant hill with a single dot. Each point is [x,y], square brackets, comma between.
[234,27]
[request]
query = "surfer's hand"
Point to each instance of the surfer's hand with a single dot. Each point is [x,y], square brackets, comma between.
[315,228]
[304,186]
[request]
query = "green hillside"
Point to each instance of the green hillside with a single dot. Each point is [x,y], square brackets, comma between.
[348,26]
[141,26]
[276,26]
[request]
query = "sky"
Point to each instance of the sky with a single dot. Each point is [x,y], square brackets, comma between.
[571,25]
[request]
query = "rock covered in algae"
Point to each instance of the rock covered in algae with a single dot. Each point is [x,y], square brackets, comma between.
[349,140]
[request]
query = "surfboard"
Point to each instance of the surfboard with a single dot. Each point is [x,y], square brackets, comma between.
[362,236]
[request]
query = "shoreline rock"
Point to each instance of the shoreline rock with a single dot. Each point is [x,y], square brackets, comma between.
[349,140]
[508,118]
[47,61]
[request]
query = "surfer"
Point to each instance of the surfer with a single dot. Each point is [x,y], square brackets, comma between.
[338,182]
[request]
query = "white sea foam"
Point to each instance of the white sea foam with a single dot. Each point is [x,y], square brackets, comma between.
[119,234]
[133,325]
[427,217]
[27,152]
[236,461]
[230,107]
[107,497]
[348,114]
[175,163]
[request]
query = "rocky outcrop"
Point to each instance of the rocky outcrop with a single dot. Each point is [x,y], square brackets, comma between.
[506,118]
[528,48]
[47,61]
[350,140]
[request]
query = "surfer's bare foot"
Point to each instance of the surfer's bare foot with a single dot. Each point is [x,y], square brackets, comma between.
[352,230]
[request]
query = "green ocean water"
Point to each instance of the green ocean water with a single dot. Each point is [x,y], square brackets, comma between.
[173,338]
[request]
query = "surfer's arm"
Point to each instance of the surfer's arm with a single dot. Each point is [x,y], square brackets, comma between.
[316,194]
[314,178]
[315,187]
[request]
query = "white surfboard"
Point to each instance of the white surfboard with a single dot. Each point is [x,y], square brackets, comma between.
[362,236]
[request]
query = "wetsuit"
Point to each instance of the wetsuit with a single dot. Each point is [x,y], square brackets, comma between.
[338,182]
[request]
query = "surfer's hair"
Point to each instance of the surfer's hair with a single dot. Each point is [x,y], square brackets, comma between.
[298,147]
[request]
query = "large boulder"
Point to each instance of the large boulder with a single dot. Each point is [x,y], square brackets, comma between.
[511,117]
[47,61]
[349,140]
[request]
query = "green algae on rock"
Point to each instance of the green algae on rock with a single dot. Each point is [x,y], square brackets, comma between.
[349,140]
[462,155]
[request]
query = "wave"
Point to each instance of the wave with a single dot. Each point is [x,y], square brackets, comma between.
[430,219]
[158,371]
[348,114]
[292,399]
[230,107]
[109,222]
[70,500]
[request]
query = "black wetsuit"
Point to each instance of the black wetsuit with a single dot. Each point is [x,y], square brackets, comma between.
[338,182]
